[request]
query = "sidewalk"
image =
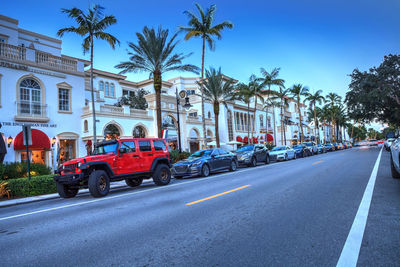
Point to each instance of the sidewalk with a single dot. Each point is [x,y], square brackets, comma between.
[18,201]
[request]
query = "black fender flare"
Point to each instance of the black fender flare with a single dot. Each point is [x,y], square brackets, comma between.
[88,165]
[158,160]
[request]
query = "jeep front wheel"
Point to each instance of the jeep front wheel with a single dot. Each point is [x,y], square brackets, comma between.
[99,183]
[162,175]
[134,182]
[65,191]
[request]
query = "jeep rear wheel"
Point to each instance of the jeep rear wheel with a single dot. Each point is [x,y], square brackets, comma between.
[65,191]
[134,182]
[99,183]
[162,175]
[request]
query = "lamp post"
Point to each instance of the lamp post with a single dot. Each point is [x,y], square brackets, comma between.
[187,105]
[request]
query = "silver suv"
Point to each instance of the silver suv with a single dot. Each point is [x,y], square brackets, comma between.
[313,147]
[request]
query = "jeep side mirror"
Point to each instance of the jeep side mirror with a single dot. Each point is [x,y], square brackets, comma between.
[122,150]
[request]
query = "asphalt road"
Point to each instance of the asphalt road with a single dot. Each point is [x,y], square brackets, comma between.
[291,213]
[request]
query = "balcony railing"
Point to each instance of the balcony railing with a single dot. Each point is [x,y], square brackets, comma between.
[61,63]
[31,111]
[12,52]
[112,109]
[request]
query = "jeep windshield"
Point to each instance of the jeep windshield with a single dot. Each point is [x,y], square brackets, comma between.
[245,148]
[105,148]
[201,153]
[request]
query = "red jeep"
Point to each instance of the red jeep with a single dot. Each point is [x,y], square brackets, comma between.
[131,160]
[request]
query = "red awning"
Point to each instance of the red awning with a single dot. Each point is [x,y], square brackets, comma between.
[239,139]
[39,141]
[255,140]
[270,138]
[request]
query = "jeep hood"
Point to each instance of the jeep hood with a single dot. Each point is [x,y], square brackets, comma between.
[89,158]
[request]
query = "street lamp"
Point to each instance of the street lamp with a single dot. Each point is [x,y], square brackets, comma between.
[182,94]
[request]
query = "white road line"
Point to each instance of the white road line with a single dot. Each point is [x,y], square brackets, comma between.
[351,249]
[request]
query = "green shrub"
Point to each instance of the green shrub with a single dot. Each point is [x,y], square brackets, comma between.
[176,156]
[16,170]
[2,169]
[40,169]
[38,185]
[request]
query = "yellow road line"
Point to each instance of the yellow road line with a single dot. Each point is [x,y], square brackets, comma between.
[217,195]
[317,162]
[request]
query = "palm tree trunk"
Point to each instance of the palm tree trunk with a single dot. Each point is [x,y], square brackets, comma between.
[248,122]
[92,91]
[203,117]
[282,126]
[273,114]
[301,124]
[333,130]
[216,114]
[315,125]
[254,116]
[157,87]
[352,131]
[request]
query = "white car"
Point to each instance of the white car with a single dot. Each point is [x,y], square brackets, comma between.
[395,158]
[388,143]
[282,153]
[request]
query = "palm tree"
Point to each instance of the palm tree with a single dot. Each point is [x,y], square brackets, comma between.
[202,27]
[332,99]
[314,99]
[217,91]
[91,25]
[154,54]
[245,93]
[269,103]
[258,93]
[282,95]
[297,91]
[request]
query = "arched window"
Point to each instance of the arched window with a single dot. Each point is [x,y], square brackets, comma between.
[139,132]
[209,135]
[85,126]
[112,90]
[209,115]
[168,122]
[101,86]
[107,90]
[230,126]
[111,132]
[30,97]
[261,121]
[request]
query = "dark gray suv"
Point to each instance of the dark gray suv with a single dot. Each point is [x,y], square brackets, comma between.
[251,154]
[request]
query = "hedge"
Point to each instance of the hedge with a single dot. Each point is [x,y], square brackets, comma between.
[176,156]
[38,185]
[16,170]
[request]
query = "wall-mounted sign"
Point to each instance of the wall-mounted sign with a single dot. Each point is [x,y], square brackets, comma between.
[44,125]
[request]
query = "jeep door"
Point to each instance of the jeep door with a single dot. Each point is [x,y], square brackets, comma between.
[127,162]
[146,154]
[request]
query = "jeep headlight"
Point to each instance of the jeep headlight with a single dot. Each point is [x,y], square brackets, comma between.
[79,165]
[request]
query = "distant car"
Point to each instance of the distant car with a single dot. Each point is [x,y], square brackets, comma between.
[395,158]
[250,155]
[302,151]
[282,153]
[336,145]
[330,147]
[340,146]
[388,143]
[348,145]
[322,149]
[204,162]
[380,141]
[312,146]
[373,142]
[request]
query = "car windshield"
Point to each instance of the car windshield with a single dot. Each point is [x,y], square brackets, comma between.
[245,149]
[200,153]
[105,148]
[279,148]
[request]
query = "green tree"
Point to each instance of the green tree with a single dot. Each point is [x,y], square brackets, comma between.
[282,95]
[217,90]
[244,93]
[154,53]
[297,91]
[258,94]
[136,101]
[202,26]
[313,99]
[270,103]
[90,26]
[332,100]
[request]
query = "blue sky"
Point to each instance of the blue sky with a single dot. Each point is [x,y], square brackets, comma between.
[315,43]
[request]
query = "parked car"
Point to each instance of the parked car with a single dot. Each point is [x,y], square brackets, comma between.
[282,153]
[388,143]
[302,151]
[330,147]
[373,142]
[322,149]
[312,146]
[250,155]
[340,146]
[395,158]
[131,160]
[204,162]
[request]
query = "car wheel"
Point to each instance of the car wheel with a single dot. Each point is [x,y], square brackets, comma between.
[253,162]
[162,175]
[134,182]
[65,191]
[395,173]
[205,170]
[267,160]
[99,183]
[294,156]
[233,166]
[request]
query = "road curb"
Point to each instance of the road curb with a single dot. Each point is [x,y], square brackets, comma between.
[26,200]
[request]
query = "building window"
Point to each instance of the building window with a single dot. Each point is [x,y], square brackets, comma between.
[209,115]
[193,114]
[63,99]
[139,132]
[230,126]
[85,126]
[112,90]
[101,86]
[128,93]
[111,132]
[269,122]
[30,97]
[107,89]
[190,92]
[163,92]
[261,121]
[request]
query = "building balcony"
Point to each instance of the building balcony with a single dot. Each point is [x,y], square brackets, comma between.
[36,58]
[114,111]
[30,111]
[287,114]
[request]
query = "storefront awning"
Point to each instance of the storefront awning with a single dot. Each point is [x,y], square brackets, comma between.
[39,141]
[270,138]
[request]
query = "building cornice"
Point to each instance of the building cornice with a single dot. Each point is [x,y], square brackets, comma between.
[58,41]
[8,19]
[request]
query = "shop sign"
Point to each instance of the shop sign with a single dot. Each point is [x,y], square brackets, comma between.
[44,125]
